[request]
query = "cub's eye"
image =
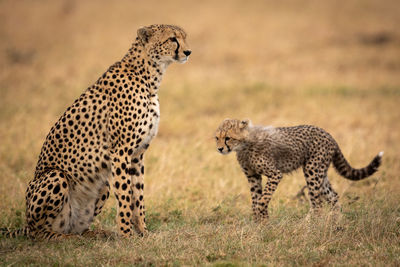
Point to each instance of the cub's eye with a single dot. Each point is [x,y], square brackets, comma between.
[227,138]
[173,39]
[216,138]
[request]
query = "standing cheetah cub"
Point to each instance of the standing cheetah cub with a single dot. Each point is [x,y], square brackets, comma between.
[274,151]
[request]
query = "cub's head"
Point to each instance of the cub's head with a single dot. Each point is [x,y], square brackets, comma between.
[230,135]
[164,43]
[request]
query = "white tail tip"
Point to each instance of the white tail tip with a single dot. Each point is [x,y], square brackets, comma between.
[380,154]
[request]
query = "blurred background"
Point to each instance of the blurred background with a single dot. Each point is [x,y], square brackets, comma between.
[334,64]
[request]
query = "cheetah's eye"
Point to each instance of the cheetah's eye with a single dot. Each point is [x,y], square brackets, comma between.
[216,138]
[227,138]
[173,39]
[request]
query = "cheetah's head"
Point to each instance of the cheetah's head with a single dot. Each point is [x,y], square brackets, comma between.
[230,135]
[164,44]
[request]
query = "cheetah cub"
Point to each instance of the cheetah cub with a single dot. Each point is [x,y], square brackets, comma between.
[274,151]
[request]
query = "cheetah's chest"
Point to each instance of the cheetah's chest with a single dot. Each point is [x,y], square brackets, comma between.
[151,127]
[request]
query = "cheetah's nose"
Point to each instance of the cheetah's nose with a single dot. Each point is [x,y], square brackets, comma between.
[220,149]
[187,52]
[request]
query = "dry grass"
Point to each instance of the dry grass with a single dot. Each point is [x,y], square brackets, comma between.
[328,63]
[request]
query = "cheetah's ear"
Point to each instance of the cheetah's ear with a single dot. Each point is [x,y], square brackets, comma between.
[244,124]
[144,33]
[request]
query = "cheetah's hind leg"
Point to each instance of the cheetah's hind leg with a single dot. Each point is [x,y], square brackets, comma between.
[329,195]
[47,206]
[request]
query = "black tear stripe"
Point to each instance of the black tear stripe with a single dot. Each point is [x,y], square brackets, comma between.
[229,149]
[177,49]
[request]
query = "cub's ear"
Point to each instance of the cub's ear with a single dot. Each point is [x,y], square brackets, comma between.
[144,33]
[244,124]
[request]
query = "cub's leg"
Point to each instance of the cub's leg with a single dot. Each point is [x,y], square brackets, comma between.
[274,176]
[315,173]
[329,194]
[47,206]
[255,191]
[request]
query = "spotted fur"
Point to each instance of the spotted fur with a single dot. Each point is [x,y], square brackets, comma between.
[271,152]
[100,140]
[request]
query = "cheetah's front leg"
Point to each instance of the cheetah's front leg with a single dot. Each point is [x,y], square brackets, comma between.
[122,174]
[128,173]
[137,171]
[274,176]
[255,191]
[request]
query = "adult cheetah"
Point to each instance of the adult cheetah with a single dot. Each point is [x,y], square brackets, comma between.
[274,151]
[100,141]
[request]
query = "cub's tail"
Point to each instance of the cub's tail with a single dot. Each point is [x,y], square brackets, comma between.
[344,168]
[5,232]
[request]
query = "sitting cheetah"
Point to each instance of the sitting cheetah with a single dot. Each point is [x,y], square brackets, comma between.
[100,141]
[274,151]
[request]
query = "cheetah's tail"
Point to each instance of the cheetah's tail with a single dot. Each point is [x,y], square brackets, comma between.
[5,232]
[344,168]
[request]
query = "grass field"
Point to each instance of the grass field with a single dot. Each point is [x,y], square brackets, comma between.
[335,64]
